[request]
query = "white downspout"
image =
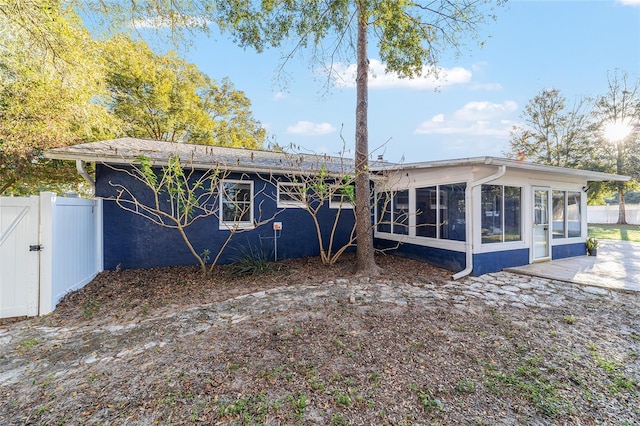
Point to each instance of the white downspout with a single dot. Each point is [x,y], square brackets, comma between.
[85,175]
[469,230]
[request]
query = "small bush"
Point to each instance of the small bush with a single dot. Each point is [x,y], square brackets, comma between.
[251,260]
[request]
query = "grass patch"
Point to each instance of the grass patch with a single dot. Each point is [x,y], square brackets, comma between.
[615,232]
[27,344]
[529,381]
[428,400]
[612,369]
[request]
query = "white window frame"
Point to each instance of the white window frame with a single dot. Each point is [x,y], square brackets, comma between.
[503,215]
[229,225]
[335,204]
[291,203]
[565,219]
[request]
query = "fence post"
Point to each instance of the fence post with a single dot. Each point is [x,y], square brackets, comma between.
[99,265]
[47,213]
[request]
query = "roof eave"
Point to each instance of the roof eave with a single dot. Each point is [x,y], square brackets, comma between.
[513,164]
[238,168]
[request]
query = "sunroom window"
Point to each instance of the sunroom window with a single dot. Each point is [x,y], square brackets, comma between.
[392,211]
[501,214]
[566,214]
[452,208]
[439,212]
[427,212]
[383,212]
[401,212]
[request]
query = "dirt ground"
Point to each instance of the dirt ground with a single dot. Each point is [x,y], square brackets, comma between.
[294,345]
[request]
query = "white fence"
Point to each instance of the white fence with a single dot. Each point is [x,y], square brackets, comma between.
[49,246]
[609,214]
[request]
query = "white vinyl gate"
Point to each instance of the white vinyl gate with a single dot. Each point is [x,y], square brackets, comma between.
[49,246]
[19,267]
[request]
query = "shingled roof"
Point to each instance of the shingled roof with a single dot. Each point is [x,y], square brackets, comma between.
[128,150]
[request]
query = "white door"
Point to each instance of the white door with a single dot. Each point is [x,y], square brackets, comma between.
[541,229]
[19,261]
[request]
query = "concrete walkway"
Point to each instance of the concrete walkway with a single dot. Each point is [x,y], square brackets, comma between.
[617,266]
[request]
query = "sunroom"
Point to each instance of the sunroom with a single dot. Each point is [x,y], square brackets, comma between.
[480,215]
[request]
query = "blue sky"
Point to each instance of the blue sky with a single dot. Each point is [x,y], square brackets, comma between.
[569,45]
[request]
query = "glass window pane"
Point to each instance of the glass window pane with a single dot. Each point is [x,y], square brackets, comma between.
[426,208]
[491,214]
[452,219]
[512,213]
[401,212]
[541,207]
[236,202]
[291,194]
[558,214]
[573,214]
[344,197]
[383,212]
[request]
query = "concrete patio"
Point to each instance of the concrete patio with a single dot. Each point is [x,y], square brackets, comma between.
[617,266]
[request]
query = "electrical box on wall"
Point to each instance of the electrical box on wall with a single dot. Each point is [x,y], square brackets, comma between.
[277,226]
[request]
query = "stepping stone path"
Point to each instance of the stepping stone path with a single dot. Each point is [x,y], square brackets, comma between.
[501,289]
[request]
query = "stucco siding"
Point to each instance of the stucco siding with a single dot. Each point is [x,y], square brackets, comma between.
[568,250]
[484,263]
[131,241]
[448,259]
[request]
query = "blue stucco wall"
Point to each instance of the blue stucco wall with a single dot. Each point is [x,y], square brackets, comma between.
[452,260]
[455,261]
[131,241]
[484,263]
[568,250]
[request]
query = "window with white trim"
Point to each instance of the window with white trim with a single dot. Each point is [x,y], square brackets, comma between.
[236,204]
[567,214]
[343,198]
[501,214]
[439,212]
[291,194]
[392,210]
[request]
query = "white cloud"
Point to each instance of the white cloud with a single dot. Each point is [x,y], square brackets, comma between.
[478,128]
[479,118]
[475,110]
[279,96]
[310,129]
[438,118]
[432,77]
[629,2]
[479,66]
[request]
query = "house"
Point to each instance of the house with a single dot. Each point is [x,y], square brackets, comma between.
[474,215]
[262,181]
[480,215]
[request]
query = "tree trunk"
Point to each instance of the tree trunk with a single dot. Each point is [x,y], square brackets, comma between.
[622,214]
[7,185]
[365,261]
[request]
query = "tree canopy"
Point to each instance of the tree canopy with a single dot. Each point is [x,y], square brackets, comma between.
[554,133]
[619,107]
[59,86]
[165,98]
[46,101]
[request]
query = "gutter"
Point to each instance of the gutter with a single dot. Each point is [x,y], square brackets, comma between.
[469,231]
[85,175]
[234,168]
